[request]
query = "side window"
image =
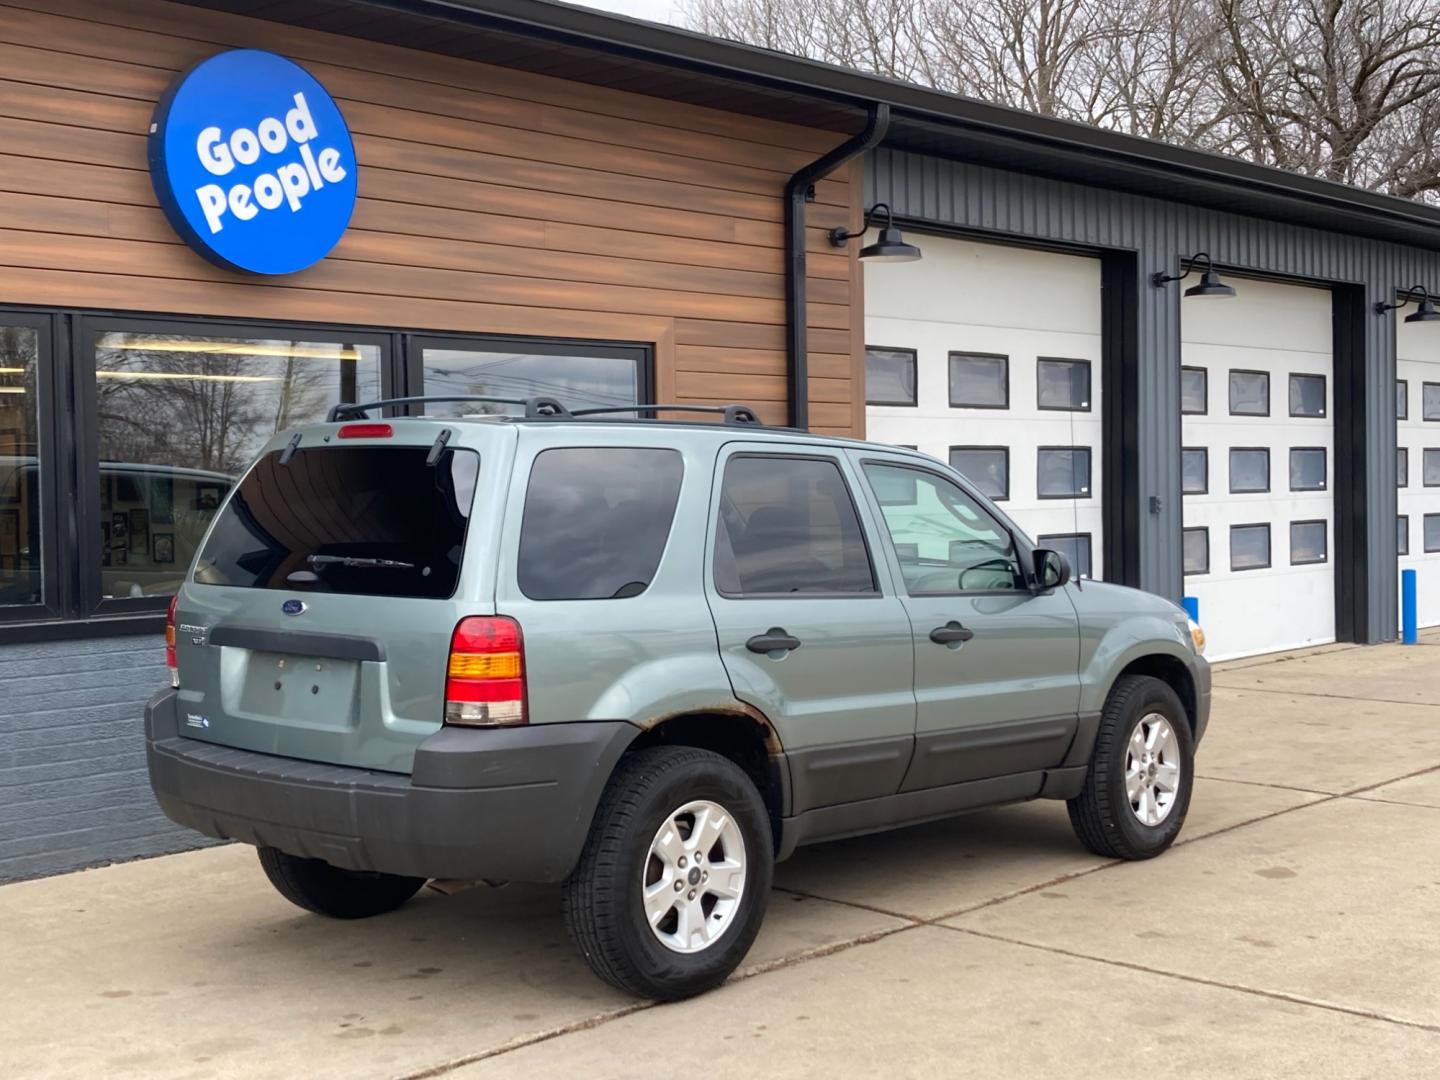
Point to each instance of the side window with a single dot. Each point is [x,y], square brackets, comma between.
[596,521]
[788,525]
[946,542]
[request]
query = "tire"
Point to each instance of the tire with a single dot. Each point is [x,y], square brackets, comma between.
[328,890]
[1104,816]
[604,898]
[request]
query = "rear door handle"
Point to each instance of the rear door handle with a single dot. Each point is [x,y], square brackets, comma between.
[951,632]
[773,640]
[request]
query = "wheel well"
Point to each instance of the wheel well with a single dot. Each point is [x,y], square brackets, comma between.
[1173,673]
[743,740]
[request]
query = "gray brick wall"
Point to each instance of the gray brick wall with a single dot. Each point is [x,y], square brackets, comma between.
[73,787]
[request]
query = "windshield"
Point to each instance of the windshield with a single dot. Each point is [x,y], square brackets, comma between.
[367,520]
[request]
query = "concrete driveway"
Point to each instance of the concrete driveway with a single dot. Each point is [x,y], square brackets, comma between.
[1292,932]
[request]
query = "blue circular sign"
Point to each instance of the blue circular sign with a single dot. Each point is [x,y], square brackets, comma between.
[253,163]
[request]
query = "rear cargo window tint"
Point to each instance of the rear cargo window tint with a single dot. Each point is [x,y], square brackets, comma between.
[596,521]
[363,520]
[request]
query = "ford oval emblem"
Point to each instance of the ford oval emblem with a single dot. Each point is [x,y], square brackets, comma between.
[293,607]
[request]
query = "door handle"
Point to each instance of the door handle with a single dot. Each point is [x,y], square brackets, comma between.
[773,640]
[950,633]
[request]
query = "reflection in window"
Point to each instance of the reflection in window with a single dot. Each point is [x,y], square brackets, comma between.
[578,379]
[1062,384]
[889,376]
[987,467]
[1307,468]
[1307,542]
[1063,472]
[1249,547]
[1249,393]
[1194,391]
[19,468]
[1430,467]
[1249,469]
[1195,548]
[180,416]
[1402,467]
[1194,470]
[1074,546]
[1307,395]
[979,381]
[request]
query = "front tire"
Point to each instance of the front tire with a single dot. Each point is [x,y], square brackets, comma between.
[672,885]
[329,890]
[1142,770]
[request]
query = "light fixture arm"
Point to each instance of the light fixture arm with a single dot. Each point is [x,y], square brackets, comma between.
[1199,261]
[839,237]
[1416,294]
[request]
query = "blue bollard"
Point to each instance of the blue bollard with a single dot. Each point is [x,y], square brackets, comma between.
[1409,634]
[1191,604]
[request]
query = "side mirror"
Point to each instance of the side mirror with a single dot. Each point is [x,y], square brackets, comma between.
[1052,569]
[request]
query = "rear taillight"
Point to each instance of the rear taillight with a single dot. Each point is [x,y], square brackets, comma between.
[170,661]
[485,678]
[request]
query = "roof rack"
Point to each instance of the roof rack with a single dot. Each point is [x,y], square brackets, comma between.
[546,407]
[534,406]
[734,414]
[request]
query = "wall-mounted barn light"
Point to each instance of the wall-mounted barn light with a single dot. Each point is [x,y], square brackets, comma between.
[1210,283]
[890,246]
[1418,295]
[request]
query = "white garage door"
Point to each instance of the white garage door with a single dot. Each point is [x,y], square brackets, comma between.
[1257,465]
[989,357]
[1417,429]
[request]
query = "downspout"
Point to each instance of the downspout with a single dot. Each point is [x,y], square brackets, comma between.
[799,190]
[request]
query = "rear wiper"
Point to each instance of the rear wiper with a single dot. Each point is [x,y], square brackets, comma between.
[358,560]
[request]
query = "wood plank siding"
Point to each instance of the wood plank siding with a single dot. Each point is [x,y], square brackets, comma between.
[491,201]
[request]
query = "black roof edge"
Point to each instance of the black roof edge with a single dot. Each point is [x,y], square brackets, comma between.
[1364,211]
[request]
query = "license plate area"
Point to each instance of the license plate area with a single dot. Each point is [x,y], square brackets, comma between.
[309,690]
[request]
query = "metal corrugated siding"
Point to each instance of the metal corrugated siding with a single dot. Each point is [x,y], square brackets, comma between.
[1025,208]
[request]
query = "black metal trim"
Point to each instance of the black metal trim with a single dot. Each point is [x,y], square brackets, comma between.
[1309,562]
[1205,450]
[950,358]
[1230,469]
[1204,371]
[1089,382]
[1089,472]
[1230,390]
[1005,450]
[298,642]
[915,370]
[1120,415]
[1352,324]
[1324,459]
[1269,545]
[1205,531]
[1324,388]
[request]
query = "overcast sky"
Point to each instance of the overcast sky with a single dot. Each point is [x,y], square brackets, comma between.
[661,11]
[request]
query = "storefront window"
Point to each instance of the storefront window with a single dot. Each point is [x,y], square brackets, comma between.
[19,468]
[179,416]
[578,378]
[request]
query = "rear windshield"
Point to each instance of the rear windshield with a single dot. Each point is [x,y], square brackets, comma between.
[369,520]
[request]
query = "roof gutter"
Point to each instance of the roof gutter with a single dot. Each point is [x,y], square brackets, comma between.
[799,190]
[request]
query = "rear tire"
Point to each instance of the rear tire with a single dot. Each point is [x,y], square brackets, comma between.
[635,928]
[1137,791]
[328,890]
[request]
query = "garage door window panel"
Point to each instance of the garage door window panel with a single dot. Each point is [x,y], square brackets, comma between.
[987,467]
[947,543]
[1402,399]
[1195,548]
[1249,393]
[1307,395]
[1062,385]
[1402,535]
[1250,547]
[1195,470]
[979,380]
[1402,467]
[1307,468]
[1430,401]
[1194,391]
[1432,532]
[1076,547]
[889,376]
[1308,542]
[1430,467]
[1249,470]
[1063,472]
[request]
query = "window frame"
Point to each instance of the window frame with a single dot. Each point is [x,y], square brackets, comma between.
[1089,383]
[1308,562]
[1018,541]
[1204,530]
[1290,378]
[723,466]
[1424,450]
[950,356]
[1423,416]
[1230,391]
[1230,471]
[1089,472]
[1205,377]
[1269,547]
[1402,475]
[914,383]
[1426,548]
[1402,399]
[1004,450]
[1324,453]
[1202,450]
[1400,552]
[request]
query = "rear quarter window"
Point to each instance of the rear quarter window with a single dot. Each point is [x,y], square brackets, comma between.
[596,521]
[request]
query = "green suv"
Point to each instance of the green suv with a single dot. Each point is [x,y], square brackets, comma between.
[645,659]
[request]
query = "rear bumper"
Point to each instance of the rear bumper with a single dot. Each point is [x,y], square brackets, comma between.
[508,803]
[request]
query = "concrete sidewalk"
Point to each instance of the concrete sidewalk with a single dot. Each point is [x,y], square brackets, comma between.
[1290,933]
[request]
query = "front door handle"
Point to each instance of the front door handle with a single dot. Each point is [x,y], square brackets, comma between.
[950,633]
[773,640]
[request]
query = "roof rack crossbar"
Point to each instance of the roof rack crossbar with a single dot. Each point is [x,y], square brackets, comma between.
[734,414]
[534,406]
